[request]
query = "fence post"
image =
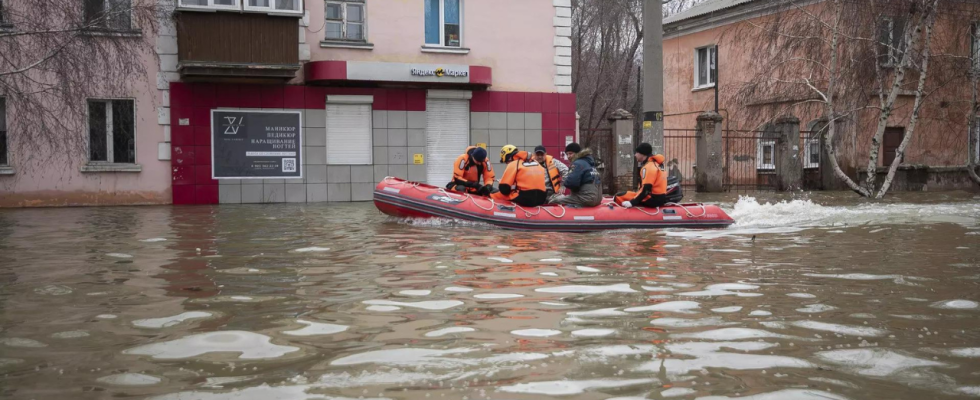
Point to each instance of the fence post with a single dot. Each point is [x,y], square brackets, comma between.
[622,132]
[709,167]
[789,168]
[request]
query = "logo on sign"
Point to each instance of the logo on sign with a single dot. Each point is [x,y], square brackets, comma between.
[440,72]
[233,124]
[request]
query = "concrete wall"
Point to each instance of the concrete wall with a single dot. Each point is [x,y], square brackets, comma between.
[516,38]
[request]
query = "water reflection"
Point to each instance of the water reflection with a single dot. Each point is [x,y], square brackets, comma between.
[337,301]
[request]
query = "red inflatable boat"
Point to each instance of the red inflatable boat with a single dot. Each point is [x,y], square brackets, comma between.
[402,198]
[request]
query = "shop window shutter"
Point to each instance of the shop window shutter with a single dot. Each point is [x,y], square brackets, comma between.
[447,136]
[349,134]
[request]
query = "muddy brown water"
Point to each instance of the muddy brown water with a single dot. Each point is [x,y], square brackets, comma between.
[814,297]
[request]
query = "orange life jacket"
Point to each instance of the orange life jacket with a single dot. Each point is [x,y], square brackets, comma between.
[467,170]
[651,174]
[523,175]
[553,173]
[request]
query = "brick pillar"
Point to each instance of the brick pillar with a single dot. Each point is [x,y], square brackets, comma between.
[789,168]
[709,172]
[622,134]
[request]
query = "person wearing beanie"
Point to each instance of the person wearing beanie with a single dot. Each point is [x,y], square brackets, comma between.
[472,173]
[583,179]
[652,192]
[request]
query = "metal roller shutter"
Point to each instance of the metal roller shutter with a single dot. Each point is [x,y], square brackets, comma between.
[349,134]
[447,136]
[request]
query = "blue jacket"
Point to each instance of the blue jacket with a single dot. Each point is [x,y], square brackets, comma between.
[583,171]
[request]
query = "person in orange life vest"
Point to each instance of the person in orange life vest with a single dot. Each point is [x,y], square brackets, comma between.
[523,181]
[653,181]
[472,173]
[556,170]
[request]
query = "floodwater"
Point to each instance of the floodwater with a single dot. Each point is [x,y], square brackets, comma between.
[818,297]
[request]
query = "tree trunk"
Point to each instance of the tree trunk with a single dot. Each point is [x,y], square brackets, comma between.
[928,20]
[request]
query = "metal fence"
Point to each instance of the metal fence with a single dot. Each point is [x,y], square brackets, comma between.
[680,151]
[810,154]
[603,145]
[750,160]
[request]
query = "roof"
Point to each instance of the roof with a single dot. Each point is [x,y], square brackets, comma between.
[705,8]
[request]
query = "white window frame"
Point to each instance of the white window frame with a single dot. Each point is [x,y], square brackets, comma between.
[110,150]
[808,145]
[761,165]
[105,6]
[442,27]
[271,9]
[893,52]
[343,21]
[211,6]
[353,100]
[712,52]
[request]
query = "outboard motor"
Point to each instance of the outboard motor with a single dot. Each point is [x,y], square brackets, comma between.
[674,192]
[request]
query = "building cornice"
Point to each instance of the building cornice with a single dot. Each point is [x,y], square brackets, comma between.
[739,13]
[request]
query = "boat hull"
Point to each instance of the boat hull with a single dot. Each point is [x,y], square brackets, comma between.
[406,199]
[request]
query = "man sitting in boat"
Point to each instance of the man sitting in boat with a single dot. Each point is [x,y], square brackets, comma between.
[653,181]
[556,170]
[583,179]
[472,173]
[523,181]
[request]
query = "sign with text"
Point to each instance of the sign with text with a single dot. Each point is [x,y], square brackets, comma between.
[403,72]
[418,159]
[256,144]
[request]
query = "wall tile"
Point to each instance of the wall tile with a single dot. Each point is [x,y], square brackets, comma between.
[362,191]
[202,135]
[398,171]
[362,173]
[479,136]
[182,155]
[380,119]
[183,175]
[498,102]
[294,97]
[416,137]
[315,155]
[316,193]
[338,174]
[516,138]
[549,121]
[550,138]
[381,155]
[397,137]
[296,193]
[316,173]
[532,121]
[380,137]
[380,100]
[498,137]
[230,182]
[228,194]
[316,98]
[202,155]
[479,120]
[532,102]
[396,100]
[252,194]
[397,119]
[206,194]
[398,155]
[338,192]
[226,95]
[480,101]
[273,181]
[416,173]
[532,137]
[566,121]
[380,172]
[182,94]
[274,193]
[316,118]
[417,120]
[515,120]
[550,103]
[184,194]
[315,137]
[272,96]
[567,103]
[515,102]
[250,96]
[498,120]
[415,100]
[203,175]
[181,135]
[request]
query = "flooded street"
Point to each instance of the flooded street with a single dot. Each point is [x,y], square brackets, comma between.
[824,298]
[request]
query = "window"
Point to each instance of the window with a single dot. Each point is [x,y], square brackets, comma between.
[974,45]
[889,146]
[811,152]
[3,22]
[767,155]
[444,23]
[116,15]
[891,41]
[705,66]
[3,131]
[349,134]
[346,20]
[112,131]
[289,6]
[216,4]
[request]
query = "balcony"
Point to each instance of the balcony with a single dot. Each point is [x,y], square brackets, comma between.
[239,46]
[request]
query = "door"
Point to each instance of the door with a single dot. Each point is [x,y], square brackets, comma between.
[446,137]
[889,146]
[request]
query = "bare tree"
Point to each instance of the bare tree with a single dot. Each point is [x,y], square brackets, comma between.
[846,59]
[56,54]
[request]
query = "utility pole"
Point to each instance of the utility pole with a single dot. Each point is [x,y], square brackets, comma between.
[653,75]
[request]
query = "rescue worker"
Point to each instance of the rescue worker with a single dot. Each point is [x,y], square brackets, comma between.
[653,181]
[556,170]
[472,173]
[583,179]
[523,181]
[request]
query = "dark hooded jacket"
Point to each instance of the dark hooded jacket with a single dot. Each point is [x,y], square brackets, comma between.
[583,171]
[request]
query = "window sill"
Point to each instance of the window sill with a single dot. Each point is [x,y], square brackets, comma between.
[766,171]
[7,170]
[273,13]
[445,50]
[703,88]
[133,33]
[338,44]
[106,167]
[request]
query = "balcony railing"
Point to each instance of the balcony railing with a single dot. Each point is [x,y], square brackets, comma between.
[242,45]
